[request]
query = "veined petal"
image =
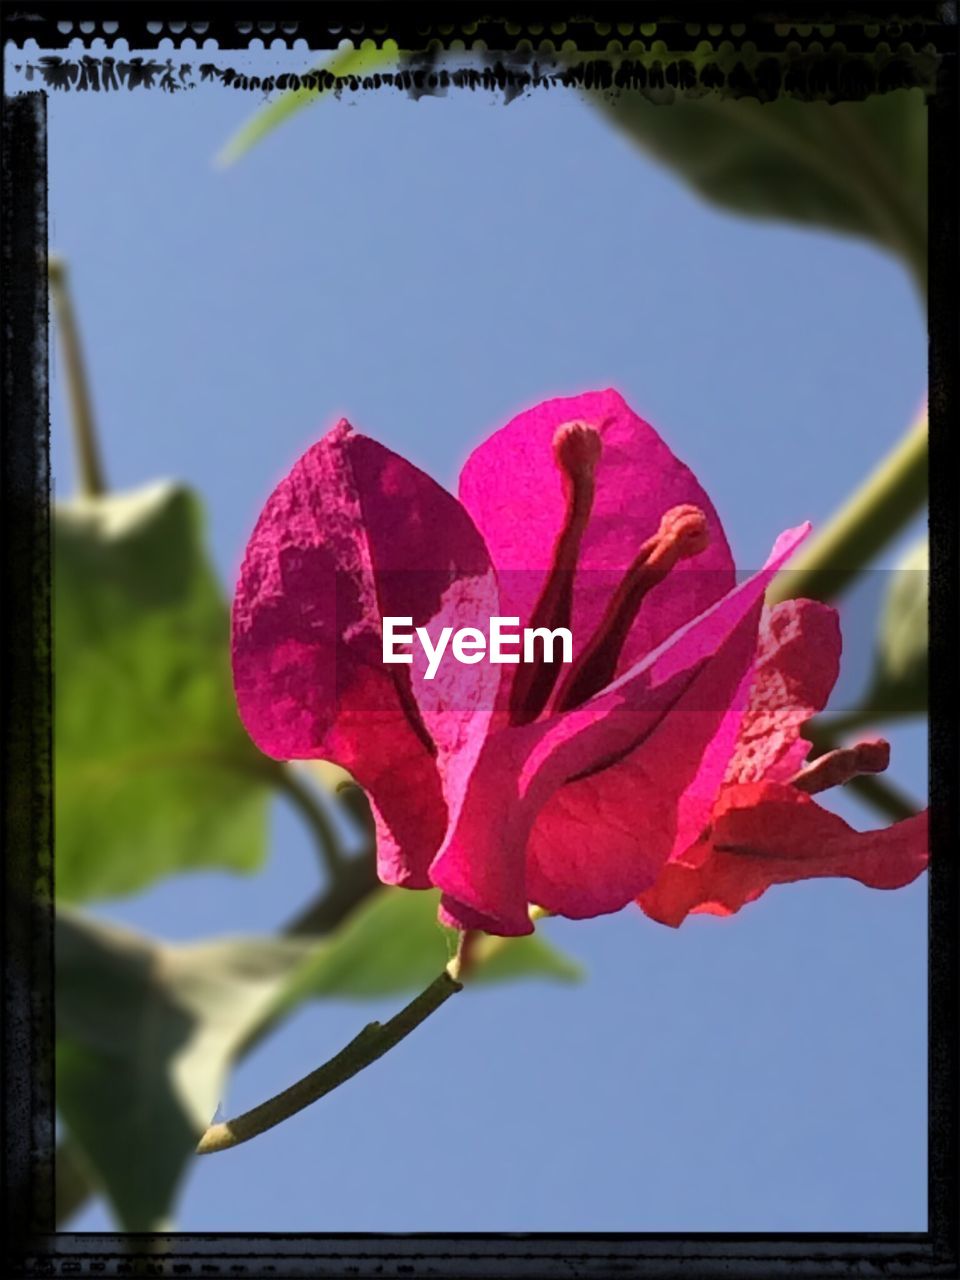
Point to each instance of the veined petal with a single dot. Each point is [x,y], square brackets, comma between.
[514,492]
[770,833]
[483,862]
[352,534]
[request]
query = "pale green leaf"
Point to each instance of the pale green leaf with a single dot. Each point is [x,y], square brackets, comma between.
[146,1031]
[145,1034]
[347,62]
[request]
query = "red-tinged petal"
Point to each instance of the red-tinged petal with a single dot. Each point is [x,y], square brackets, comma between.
[798,660]
[598,842]
[352,534]
[514,491]
[483,863]
[769,833]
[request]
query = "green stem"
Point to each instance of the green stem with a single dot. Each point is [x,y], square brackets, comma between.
[351,880]
[890,496]
[91,478]
[874,790]
[376,1039]
[355,882]
[884,797]
[372,1043]
[290,783]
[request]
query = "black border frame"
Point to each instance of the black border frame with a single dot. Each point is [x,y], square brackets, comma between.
[911,33]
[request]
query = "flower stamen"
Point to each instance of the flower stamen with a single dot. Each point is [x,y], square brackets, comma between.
[576,449]
[837,767]
[683,533]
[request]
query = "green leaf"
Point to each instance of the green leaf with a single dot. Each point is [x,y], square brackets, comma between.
[154,772]
[393,943]
[529,957]
[857,167]
[347,62]
[145,1034]
[146,1031]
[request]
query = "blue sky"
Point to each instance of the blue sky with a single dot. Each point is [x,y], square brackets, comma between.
[428,268]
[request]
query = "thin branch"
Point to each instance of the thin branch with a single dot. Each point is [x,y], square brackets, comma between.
[890,496]
[372,1043]
[884,796]
[321,915]
[356,881]
[91,478]
[290,783]
[474,949]
[873,789]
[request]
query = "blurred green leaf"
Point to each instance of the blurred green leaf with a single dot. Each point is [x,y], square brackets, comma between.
[393,943]
[857,167]
[146,1031]
[347,62]
[154,772]
[898,685]
[145,1034]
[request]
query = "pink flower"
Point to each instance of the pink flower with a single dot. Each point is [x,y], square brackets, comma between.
[765,827]
[573,787]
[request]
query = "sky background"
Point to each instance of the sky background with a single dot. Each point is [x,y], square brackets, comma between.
[428,269]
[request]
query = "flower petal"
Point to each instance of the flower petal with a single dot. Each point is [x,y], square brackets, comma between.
[598,842]
[483,862]
[769,833]
[354,533]
[513,490]
[798,661]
